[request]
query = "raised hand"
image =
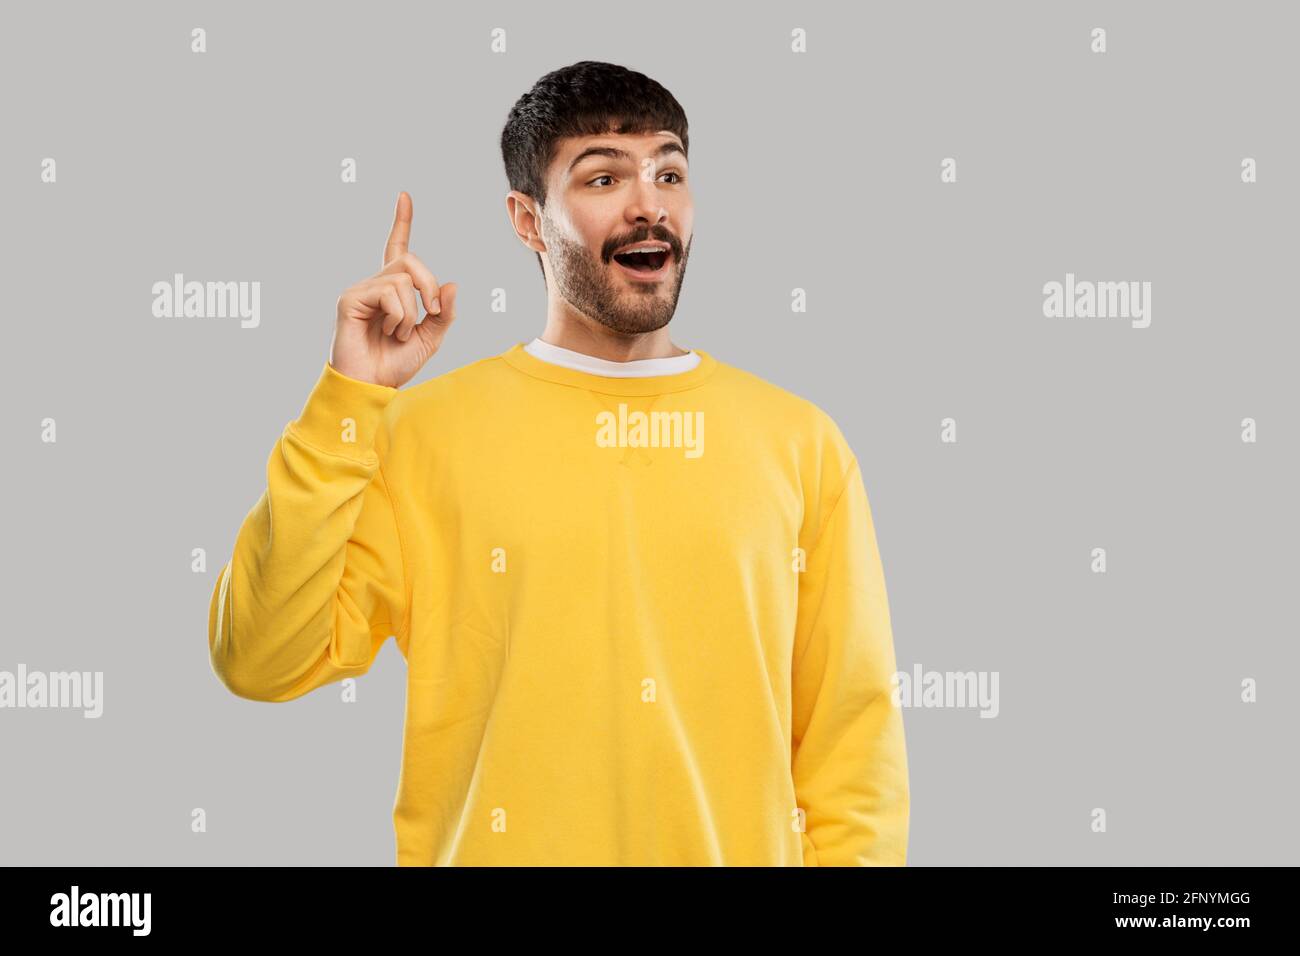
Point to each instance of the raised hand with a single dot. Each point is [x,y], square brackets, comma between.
[378,334]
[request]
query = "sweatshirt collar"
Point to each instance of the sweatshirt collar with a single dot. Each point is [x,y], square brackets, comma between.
[519,358]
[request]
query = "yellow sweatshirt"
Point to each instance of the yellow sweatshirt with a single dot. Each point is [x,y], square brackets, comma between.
[644,619]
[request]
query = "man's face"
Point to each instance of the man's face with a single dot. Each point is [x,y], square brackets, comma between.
[606,193]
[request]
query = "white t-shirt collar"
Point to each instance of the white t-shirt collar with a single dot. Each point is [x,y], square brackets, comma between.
[637,368]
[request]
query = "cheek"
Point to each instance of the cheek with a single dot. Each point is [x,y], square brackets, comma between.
[594,232]
[583,223]
[684,223]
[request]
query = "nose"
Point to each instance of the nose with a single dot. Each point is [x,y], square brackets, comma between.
[645,205]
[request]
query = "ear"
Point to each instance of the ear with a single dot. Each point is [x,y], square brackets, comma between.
[525,217]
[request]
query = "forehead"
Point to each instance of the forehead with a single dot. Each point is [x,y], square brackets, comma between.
[572,151]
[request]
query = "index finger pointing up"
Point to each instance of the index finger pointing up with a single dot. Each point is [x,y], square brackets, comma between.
[401,232]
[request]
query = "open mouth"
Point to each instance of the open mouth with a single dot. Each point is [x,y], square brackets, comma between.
[649,264]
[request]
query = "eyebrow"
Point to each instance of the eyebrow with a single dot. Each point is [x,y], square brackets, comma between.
[614,152]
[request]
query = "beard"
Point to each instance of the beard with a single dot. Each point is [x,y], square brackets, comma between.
[595,287]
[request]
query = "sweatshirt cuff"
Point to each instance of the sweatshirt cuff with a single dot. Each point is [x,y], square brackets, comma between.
[335,398]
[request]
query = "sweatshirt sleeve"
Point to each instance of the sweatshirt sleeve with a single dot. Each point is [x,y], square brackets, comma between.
[849,762]
[316,581]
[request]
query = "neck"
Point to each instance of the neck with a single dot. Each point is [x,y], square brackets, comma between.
[570,330]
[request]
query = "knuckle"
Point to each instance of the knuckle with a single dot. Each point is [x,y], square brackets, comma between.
[417,267]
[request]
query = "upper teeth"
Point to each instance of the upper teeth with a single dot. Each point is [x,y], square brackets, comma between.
[642,249]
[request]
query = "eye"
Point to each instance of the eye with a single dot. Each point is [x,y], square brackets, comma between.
[669,173]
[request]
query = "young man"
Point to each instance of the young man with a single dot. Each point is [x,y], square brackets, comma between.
[637,589]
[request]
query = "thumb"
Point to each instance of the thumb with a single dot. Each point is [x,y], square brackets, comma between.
[446,299]
[433,327]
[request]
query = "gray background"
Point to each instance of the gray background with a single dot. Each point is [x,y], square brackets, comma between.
[1118,691]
